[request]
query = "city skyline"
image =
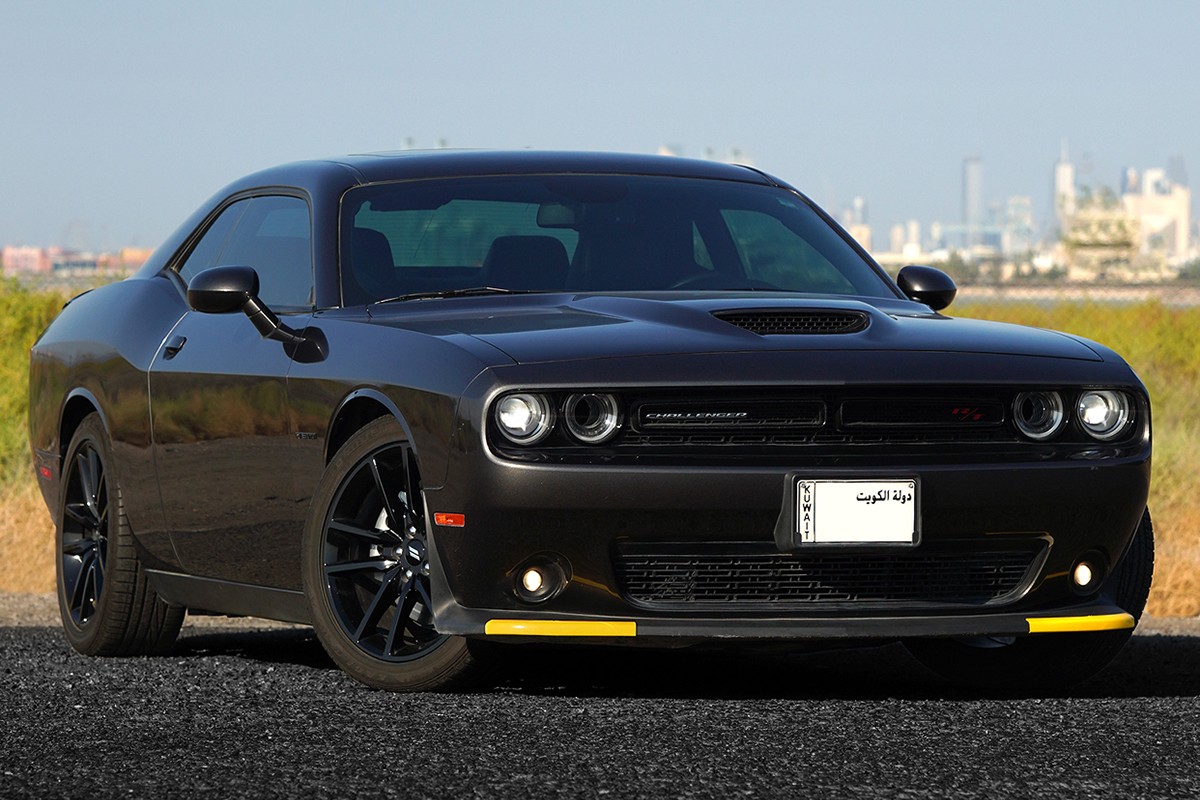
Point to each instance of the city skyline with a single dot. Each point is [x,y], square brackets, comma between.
[122,120]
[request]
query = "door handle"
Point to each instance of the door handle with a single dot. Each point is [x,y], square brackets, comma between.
[174,346]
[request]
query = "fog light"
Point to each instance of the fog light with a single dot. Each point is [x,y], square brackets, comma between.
[532,579]
[1088,572]
[540,578]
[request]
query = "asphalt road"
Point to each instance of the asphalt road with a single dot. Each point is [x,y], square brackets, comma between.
[242,712]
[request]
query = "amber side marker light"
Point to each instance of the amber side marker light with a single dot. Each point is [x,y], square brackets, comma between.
[450,520]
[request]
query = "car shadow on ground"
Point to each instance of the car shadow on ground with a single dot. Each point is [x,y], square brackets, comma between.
[1149,666]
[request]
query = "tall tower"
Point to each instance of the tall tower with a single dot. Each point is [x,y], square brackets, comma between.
[1064,187]
[973,200]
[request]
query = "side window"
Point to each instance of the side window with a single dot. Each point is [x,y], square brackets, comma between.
[208,249]
[274,236]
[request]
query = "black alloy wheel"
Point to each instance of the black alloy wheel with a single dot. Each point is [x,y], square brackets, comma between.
[84,550]
[367,570]
[376,560]
[107,604]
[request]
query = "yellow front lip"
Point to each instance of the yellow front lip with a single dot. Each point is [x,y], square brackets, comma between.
[562,627]
[559,627]
[1095,622]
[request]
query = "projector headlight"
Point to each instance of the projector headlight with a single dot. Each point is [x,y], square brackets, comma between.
[1039,415]
[592,418]
[524,418]
[1102,413]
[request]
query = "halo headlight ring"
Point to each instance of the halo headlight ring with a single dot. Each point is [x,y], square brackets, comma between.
[592,418]
[524,418]
[1039,415]
[1103,413]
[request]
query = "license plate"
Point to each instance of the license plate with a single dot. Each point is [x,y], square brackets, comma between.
[856,511]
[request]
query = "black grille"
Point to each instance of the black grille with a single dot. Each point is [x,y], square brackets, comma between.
[791,322]
[923,412]
[693,575]
[733,415]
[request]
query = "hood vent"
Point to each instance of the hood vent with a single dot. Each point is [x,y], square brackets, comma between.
[792,322]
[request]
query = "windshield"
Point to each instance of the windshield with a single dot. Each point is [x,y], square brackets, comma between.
[591,233]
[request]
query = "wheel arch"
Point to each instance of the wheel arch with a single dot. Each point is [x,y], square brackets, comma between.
[356,410]
[79,404]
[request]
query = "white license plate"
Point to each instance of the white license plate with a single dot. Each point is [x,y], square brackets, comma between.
[856,512]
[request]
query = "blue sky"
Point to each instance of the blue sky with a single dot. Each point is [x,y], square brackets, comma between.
[120,118]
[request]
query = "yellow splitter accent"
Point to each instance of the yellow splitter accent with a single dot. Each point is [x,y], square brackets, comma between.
[1097,622]
[559,627]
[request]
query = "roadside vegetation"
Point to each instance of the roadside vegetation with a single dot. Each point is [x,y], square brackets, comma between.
[1160,343]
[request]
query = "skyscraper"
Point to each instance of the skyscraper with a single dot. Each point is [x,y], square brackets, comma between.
[1064,187]
[973,200]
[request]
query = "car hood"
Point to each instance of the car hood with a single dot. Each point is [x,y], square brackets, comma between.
[560,327]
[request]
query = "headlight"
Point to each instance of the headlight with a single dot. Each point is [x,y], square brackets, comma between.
[524,418]
[1038,415]
[592,418]
[1102,413]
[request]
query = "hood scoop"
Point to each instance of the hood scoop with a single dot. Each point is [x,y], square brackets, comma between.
[796,321]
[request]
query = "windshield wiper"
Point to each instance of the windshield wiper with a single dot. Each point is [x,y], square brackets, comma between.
[471,291]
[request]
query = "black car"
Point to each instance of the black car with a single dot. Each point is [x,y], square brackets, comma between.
[436,403]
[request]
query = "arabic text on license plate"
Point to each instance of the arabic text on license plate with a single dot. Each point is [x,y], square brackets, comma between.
[840,512]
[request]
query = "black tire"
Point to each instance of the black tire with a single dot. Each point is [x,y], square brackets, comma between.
[1048,660]
[108,606]
[366,571]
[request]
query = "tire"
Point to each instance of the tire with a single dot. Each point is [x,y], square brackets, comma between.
[1048,661]
[107,604]
[366,571]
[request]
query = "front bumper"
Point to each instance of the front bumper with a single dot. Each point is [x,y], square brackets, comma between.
[582,516]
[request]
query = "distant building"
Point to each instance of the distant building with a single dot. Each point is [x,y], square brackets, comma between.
[1017,226]
[973,201]
[1064,193]
[24,260]
[1163,210]
[861,234]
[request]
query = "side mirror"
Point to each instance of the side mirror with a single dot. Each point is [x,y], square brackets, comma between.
[223,290]
[927,285]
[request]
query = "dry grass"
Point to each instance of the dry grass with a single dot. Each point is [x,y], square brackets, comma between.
[26,540]
[1176,590]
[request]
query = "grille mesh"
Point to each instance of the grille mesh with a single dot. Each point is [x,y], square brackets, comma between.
[668,576]
[787,323]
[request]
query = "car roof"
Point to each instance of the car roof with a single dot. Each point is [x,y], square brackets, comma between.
[413,164]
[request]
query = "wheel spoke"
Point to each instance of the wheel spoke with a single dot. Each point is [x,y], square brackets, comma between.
[93,475]
[373,564]
[97,579]
[377,606]
[416,508]
[79,513]
[403,609]
[78,547]
[361,532]
[81,579]
[395,522]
